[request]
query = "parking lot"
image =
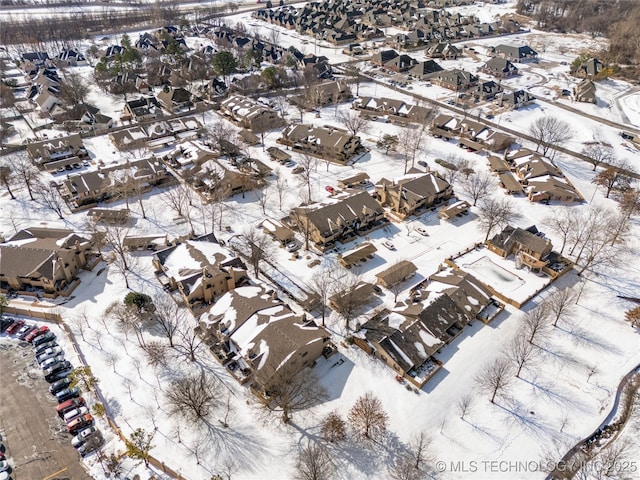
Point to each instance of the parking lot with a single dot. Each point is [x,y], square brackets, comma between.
[36,439]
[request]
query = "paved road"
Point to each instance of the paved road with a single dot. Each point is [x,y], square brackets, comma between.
[36,441]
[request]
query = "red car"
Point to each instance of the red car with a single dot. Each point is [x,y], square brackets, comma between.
[36,333]
[69,405]
[330,189]
[12,330]
[79,423]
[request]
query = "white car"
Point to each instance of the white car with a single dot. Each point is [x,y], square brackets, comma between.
[50,361]
[292,247]
[4,465]
[389,245]
[83,436]
[422,231]
[76,412]
[48,353]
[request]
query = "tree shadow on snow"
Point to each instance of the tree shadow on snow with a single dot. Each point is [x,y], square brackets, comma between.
[545,389]
[525,419]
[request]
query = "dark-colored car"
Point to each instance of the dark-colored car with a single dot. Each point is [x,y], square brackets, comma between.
[15,327]
[44,347]
[54,377]
[79,423]
[59,385]
[69,405]
[5,322]
[56,368]
[47,337]
[67,393]
[36,333]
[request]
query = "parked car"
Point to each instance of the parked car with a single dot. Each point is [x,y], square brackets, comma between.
[67,393]
[389,245]
[298,170]
[59,375]
[377,289]
[36,333]
[69,405]
[54,369]
[71,415]
[292,246]
[94,443]
[83,435]
[4,465]
[58,385]
[289,163]
[43,347]
[51,361]
[13,329]
[422,231]
[47,337]
[330,189]
[79,423]
[49,353]
[5,323]
[24,331]
[422,163]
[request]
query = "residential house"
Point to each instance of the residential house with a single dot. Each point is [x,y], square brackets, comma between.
[31,60]
[444,50]
[396,274]
[487,90]
[445,126]
[57,149]
[588,69]
[71,58]
[260,339]
[277,231]
[175,99]
[392,60]
[200,269]
[83,117]
[355,295]
[142,109]
[516,99]
[422,70]
[413,192]
[113,182]
[521,54]
[456,79]
[327,93]
[585,91]
[354,181]
[338,218]
[44,260]
[211,175]
[499,67]
[328,143]
[396,110]
[528,248]
[248,113]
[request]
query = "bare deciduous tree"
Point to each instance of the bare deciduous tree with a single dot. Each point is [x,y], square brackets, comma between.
[562,222]
[367,417]
[188,341]
[548,132]
[256,247]
[193,396]
[74,89]
[334,428]
[346,298]
[410,143]
[478,185]
[314,463]
[464,404]
[7,177]
[615,177]
[281,188]
[263,194]
[289,390]
[168,316]
[48,196]
[27,173]
[597,154]
[156,353]
[561,304]
[321,285]
[113,237]
[419,447]
[403,469]
[496,213]
[309,164]
[521,352]
[536,322]
[495,378]
[353,122]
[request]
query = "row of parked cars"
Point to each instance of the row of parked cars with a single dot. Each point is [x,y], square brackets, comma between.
[5,468]
[56,369]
